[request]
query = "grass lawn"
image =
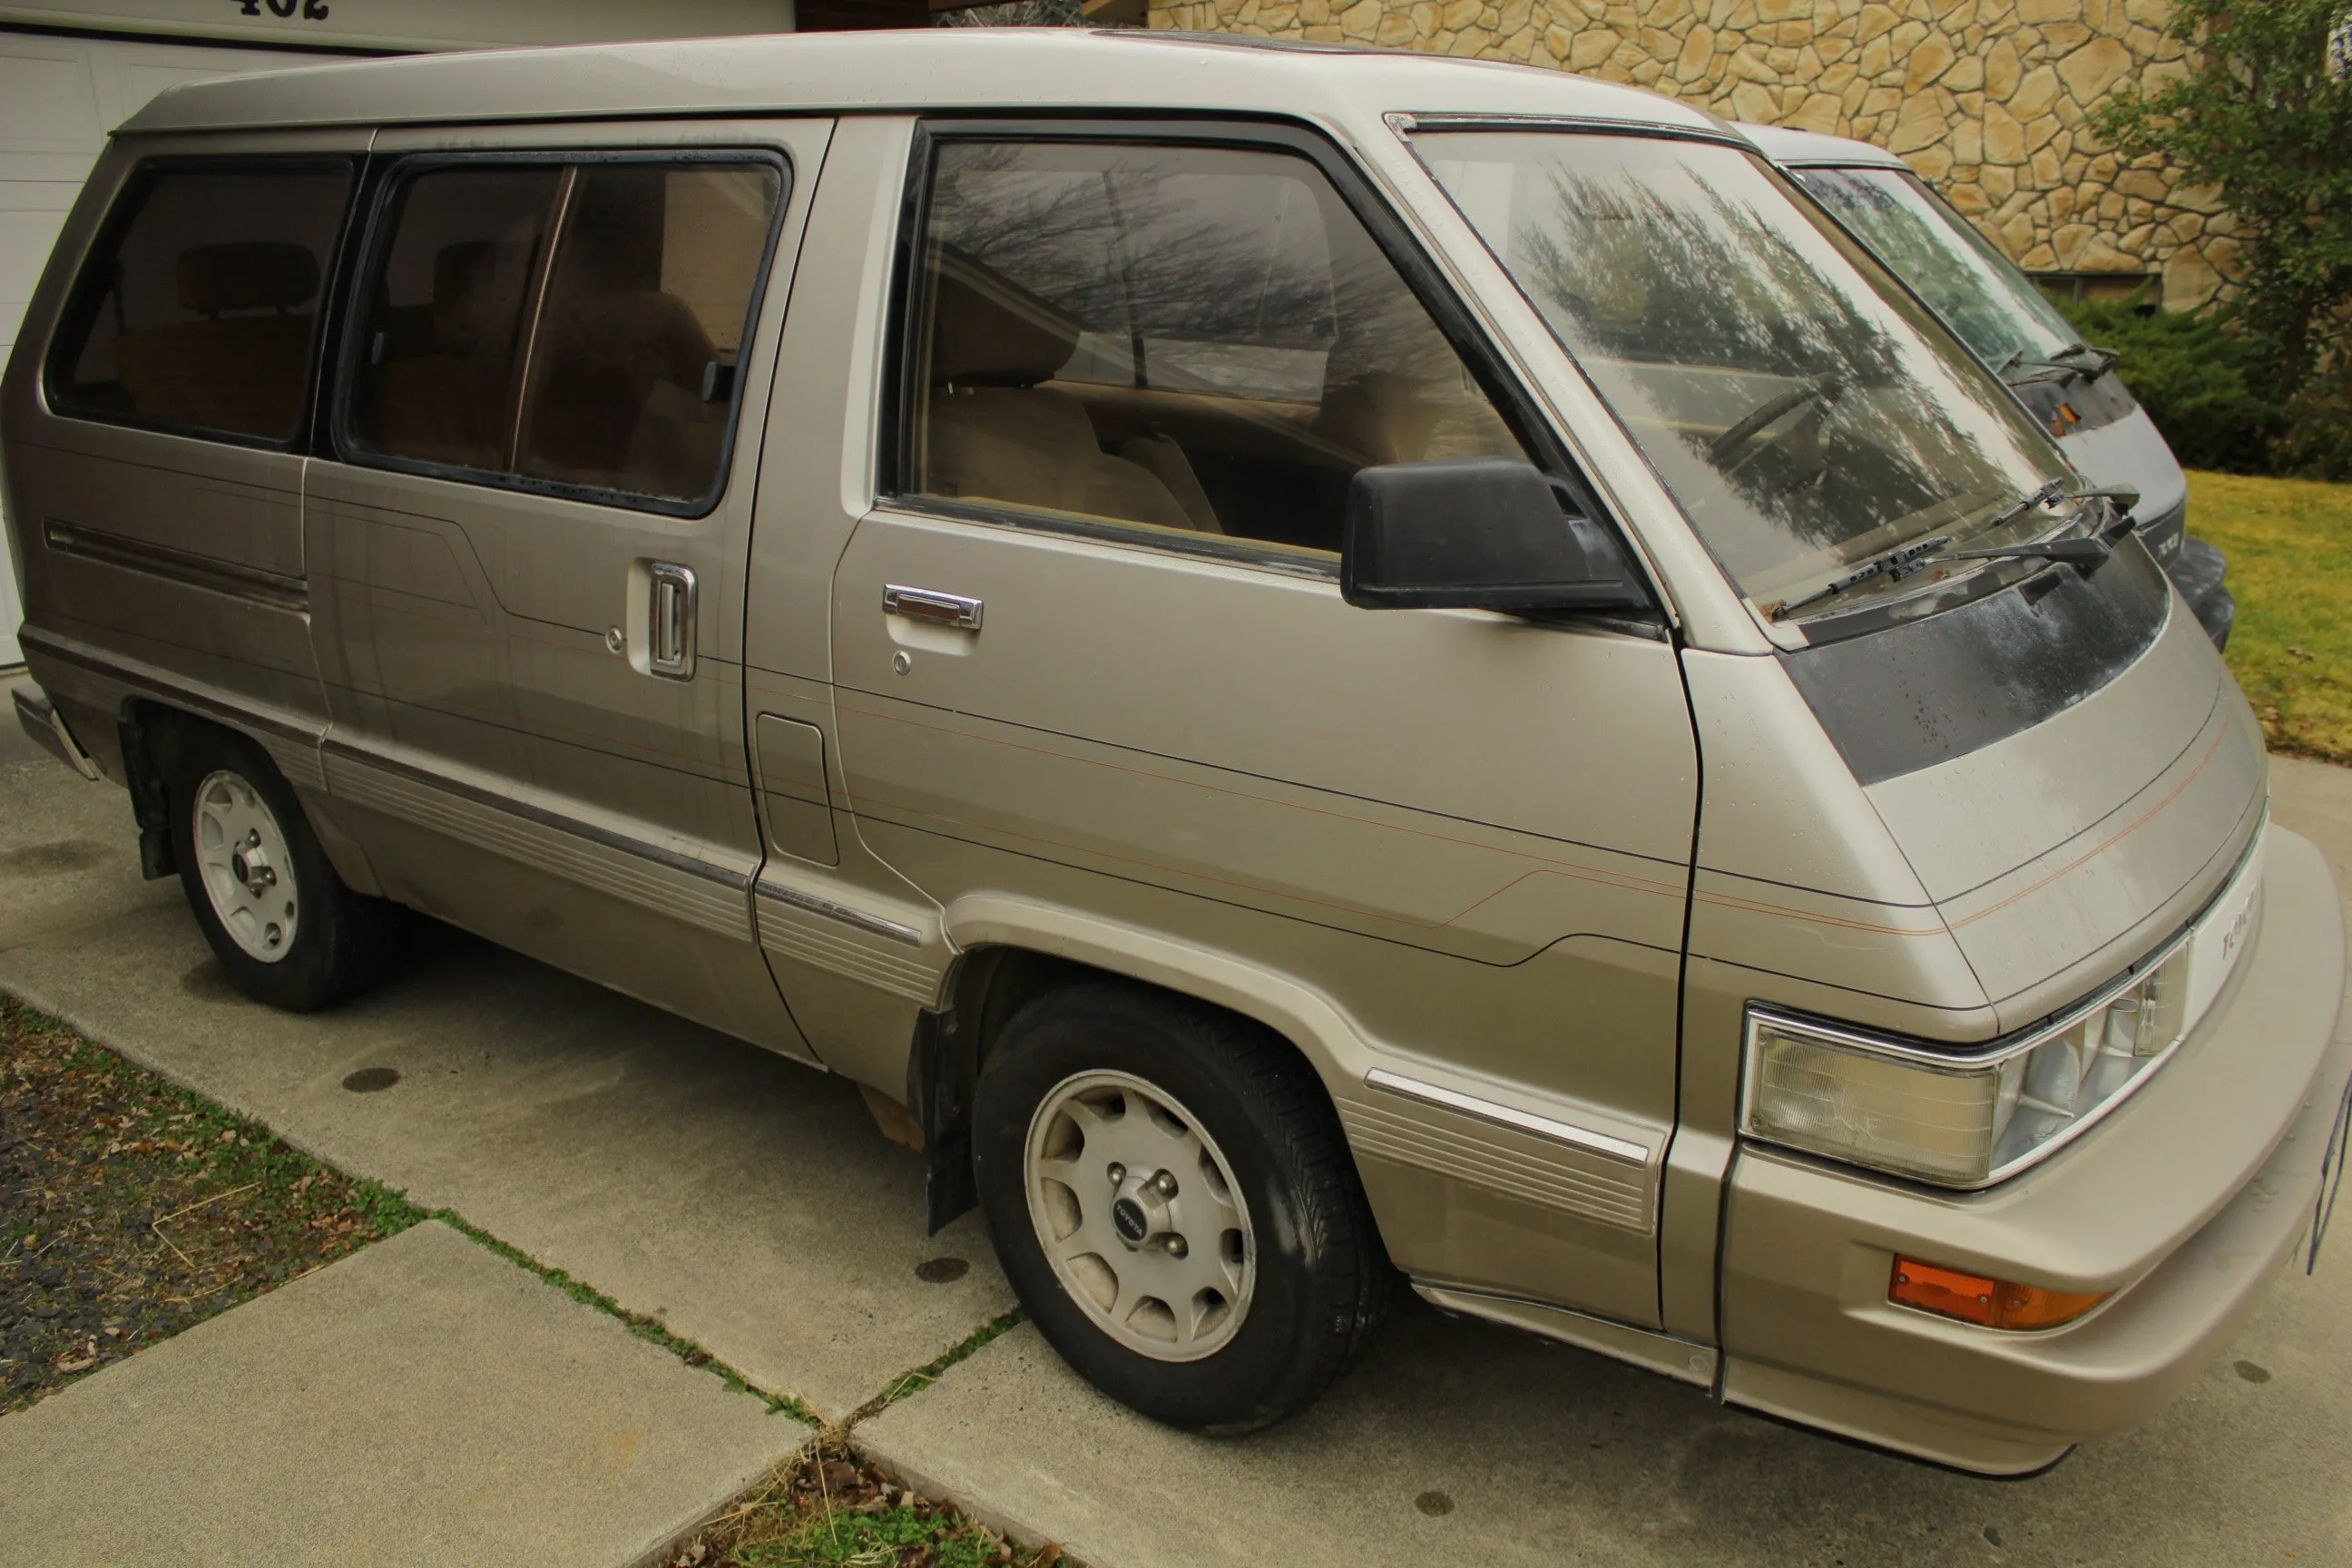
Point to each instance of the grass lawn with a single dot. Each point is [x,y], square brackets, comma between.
[131,1209]
[2290,547]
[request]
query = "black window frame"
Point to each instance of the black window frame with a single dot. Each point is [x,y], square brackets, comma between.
[374,249]
[1396,243]
[90,283]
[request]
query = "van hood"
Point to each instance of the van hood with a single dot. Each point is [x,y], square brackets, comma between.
[2058,855]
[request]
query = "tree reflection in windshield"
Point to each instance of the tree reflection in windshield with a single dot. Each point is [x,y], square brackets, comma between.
[1991,305]
[1804,412]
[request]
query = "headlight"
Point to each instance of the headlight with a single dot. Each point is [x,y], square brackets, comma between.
[1961,1120]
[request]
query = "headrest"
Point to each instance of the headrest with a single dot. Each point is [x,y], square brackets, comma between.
[250,275]
[466,313]
[645,327]
[988,330]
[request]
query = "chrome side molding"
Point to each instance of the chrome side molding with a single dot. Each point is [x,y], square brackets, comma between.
[1507,1116]
[842,912]
[234,579]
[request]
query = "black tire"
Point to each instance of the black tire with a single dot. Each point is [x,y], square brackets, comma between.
[1322,1278]
[341,942]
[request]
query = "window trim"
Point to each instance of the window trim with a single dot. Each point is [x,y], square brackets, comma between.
[374,248]
[1388,234]
[82,301]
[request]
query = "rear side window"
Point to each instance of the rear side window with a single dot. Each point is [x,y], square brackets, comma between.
[570,326]
[201,310]
[445,329]
[1197,338]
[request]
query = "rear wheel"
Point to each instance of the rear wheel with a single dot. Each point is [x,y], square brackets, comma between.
[1173,1200]
[285,928]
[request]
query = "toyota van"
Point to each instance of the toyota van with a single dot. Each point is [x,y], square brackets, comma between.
[2068,384]
[1317,666]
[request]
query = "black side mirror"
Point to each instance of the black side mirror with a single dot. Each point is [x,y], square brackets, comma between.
[1487,534]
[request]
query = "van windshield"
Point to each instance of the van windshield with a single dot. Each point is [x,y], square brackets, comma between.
[1806,413]
[1989,303]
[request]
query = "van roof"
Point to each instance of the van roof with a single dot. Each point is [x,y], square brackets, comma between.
[1811,149]
[976,68]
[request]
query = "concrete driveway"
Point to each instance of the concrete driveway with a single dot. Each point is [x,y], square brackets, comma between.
[750,1205]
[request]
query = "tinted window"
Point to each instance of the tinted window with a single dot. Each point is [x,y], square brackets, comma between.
[444,327]
[635,364]
[1194,339]
[608,363]
[202,310]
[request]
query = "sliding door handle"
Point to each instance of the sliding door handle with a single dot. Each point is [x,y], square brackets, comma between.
[669,622]
[931,607]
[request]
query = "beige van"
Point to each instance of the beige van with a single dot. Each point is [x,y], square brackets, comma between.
[1325,664]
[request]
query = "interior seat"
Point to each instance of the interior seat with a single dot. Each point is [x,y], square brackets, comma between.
[1388,415]
[993,433]
[618,401]
[453,403]
[245,372]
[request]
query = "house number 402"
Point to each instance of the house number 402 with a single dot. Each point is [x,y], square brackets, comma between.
[312,10]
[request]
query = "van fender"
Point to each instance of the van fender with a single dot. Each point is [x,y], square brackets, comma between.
[944,1063]
[1304,1017]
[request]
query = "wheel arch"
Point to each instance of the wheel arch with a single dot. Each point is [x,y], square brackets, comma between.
[1013,950]
[150,732]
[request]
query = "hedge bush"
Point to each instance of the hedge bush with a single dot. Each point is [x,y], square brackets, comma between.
[2204,386]
[2211,388]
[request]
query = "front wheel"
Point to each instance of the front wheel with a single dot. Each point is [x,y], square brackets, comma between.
[285,928]
[1171,1197]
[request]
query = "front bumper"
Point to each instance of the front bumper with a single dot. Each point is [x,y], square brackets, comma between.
[2197,569]
[2184,1203]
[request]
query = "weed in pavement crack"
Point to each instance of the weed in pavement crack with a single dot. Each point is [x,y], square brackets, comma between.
[648,1329]
[912,1382]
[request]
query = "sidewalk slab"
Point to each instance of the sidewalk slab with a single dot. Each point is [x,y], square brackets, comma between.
[422,1401]
[2314,799]
[744,1200]
[1459,1442]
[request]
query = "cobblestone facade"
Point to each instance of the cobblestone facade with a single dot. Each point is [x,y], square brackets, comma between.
[1986,99]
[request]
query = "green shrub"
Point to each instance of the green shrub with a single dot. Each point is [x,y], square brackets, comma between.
[2206,386]
[2264,110]
[2317,441]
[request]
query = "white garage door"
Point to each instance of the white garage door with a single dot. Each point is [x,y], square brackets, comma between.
[59,97]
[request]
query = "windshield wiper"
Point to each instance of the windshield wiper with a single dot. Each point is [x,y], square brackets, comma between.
[1896,565]
[2084,554]
[1819,389]
[1905,560]
[2054,490]
[2062,361]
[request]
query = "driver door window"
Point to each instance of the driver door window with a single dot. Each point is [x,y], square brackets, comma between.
[1200,340]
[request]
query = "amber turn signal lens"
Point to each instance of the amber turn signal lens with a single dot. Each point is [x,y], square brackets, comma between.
[1975,1299]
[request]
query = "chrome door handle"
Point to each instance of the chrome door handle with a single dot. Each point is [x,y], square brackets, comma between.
[928,605]
[669,625]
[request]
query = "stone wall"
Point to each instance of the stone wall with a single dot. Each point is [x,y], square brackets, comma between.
[1986,99]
